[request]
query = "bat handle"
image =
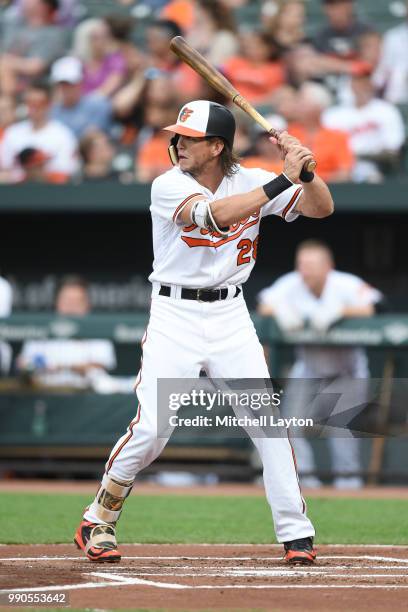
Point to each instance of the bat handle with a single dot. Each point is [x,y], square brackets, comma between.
[310,166]
[274,133]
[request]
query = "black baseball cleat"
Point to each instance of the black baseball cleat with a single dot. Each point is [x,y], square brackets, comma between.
[300,552]
[98,542]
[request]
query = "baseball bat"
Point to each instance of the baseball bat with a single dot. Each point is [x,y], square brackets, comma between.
[210,74]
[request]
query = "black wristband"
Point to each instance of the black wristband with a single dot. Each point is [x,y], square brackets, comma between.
[306,176]
[277,186]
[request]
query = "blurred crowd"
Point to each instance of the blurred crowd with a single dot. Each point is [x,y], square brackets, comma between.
[86,86]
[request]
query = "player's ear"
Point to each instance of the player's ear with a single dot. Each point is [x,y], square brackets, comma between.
[217,146]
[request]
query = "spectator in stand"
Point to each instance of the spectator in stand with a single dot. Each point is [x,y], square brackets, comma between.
[126,101]
[339,38]
[336,49]
[180,12]
[152,144]
[264,154]
[7,118]
[97,154]
[33,164]
[7,113]
[162,59]
[9,16]
[331,147]
[369,50]
[158,36]
[285,104]
[127,108]
[28,48]
[76,364]
[105,66]
[78,112]
[66,15]
[213,32]
[121,29]
[391,76]
[40,132]
[375,127]
[258,70]
[152,158]
[285,20]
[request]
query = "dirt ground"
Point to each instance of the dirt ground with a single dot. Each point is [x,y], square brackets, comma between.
[205,576]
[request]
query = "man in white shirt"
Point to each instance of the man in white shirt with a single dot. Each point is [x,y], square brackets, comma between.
[39,132]
[318,295]
[6,303]
[206,213]
[375,126]
[73,363]
[391,74]
[6,297]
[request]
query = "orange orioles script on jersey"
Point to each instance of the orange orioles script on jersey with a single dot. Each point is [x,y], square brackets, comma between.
[237,230]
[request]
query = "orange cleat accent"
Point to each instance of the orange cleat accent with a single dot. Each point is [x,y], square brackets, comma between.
[98,542]
[300,552]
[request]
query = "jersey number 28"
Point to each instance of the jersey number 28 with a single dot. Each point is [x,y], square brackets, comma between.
[244,247]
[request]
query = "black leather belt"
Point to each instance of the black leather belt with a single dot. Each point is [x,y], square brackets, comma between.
[201,295]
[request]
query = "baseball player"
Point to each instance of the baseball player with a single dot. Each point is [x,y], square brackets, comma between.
[206,213]
[317,293]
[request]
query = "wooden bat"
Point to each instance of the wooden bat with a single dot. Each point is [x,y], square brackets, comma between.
[209,73]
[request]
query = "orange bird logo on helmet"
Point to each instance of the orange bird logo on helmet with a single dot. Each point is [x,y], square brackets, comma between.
[185,114]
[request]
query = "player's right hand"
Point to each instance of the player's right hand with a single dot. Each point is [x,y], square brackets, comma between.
[296,157]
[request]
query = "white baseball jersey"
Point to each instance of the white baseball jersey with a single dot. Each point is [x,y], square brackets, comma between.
[373,128]
[197,258]
[341,289]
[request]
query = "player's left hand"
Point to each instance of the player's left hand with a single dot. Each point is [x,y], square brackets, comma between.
[323,317]
[286,142]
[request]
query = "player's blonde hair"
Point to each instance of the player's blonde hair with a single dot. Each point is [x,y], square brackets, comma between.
[229,160]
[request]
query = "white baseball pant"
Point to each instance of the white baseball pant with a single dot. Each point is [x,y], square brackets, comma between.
[182,337]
